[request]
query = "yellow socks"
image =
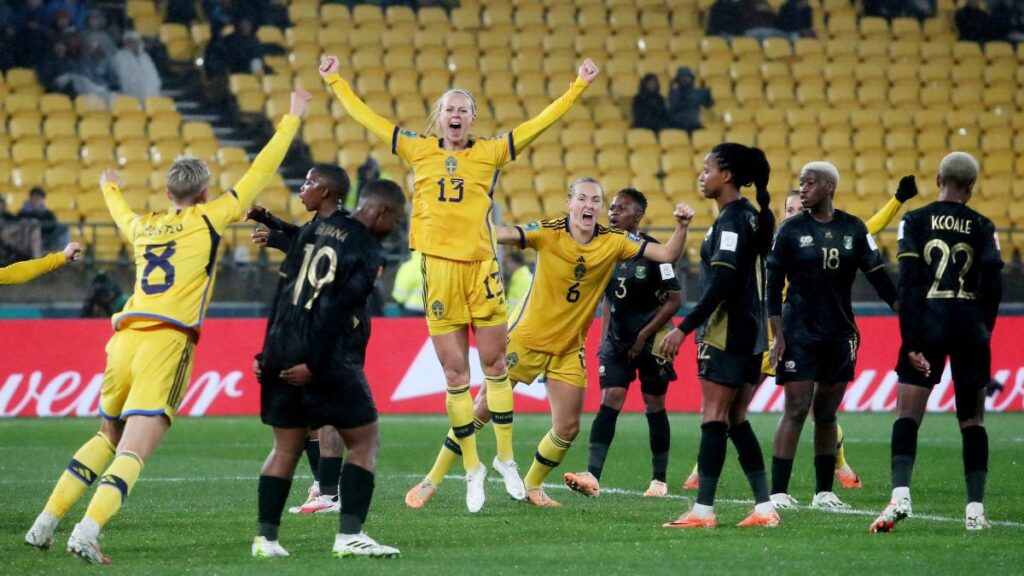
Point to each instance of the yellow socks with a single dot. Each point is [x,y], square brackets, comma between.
[549,454]
[82,471]
[450,452]
[840,452]
[115,485]
[460,416]
[499,402]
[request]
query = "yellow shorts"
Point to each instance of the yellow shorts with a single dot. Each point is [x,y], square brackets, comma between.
[525,365]
[147,372]
[766,366]
[456,294]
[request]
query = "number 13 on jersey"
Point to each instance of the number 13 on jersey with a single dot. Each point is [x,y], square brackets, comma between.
[450,189]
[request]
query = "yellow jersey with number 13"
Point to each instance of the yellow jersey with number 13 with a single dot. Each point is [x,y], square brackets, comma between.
[175,252]
[568,283]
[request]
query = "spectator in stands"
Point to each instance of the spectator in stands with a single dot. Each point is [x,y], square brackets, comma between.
[136,73]
[53,235]
[97,66]
[18,240]
[242,52]
[724,19]
[105,297]
[31,37]
[74,11]
[758,19]
[649,109]
[97,30]
[61,73]
[181,12]
[685,101]
[408,289]
[796,19]
[973,22]
[1008,21]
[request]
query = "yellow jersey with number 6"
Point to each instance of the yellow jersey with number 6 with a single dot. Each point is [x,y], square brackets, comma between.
[568,283]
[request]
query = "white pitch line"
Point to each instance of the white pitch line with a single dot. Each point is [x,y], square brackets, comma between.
[616,491]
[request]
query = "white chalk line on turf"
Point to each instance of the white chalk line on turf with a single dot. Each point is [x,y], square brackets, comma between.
[616,491]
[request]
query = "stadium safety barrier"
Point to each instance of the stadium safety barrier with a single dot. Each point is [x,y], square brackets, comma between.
[54,368]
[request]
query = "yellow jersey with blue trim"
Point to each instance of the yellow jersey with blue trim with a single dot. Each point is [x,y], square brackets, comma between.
[175,252]
[568,282]
[452,209]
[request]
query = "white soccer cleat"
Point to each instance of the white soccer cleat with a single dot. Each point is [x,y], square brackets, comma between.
[321,505]
[510,474]
[975,517]
[263,548]
[475,488]
[828,501]
[893,513]
[84,543]
[783,501]
[313,495]
[40,535]
[350,545]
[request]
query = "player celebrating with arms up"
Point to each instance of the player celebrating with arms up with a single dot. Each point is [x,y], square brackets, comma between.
[149,357]
[949,292]
[452,227]
[818,253]
[21,272]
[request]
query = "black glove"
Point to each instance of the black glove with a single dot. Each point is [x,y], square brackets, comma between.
[993,388]
[907,189]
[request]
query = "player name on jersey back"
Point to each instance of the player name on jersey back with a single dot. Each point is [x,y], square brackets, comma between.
[947,222]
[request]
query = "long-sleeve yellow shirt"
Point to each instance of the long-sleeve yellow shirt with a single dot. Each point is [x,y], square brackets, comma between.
[452,198]
[21,272]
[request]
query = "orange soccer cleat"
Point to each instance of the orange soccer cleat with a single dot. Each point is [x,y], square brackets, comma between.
[418,495]
[691,520]
[847,477]
[692,482]
[584,482]
[538,497]
[770,520]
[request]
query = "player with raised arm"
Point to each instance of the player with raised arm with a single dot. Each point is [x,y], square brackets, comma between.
[149,357]
[454,178]
[28,270]
[881,219]
[949,292]
[311,368]
[817,254]
[639,303]
[575,259]
[731,328]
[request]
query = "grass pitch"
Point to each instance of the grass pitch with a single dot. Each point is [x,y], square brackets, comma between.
[194,509]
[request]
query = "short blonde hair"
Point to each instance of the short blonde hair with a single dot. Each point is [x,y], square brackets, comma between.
[584,180]
[826,170]
[959,168]
[433,121]
[187,177]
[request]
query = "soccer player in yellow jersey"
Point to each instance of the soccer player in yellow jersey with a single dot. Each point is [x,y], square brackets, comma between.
[575,259]
[149,357]
[21,272]
[451,225]
[847,477]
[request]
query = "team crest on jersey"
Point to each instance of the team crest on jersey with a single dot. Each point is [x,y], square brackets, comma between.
[511,359]
[437,309]
[806,241]
[640,273]
[580,269]
[451,165]
[828,235]
[848,242]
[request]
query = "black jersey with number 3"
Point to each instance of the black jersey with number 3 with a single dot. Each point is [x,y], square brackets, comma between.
[637,290]
[955,245]
[319,312]
[820,261]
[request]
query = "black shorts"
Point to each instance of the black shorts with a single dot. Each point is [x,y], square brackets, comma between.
[825,362]
[732,370]
[617,371]
[970,363]
[343,401]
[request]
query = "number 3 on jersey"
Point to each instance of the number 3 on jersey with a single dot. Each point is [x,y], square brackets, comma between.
[455,194]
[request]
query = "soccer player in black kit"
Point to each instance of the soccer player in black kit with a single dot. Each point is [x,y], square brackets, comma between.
[816,339]
[733,332]
[949,292]
[640,301]
[311,367]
